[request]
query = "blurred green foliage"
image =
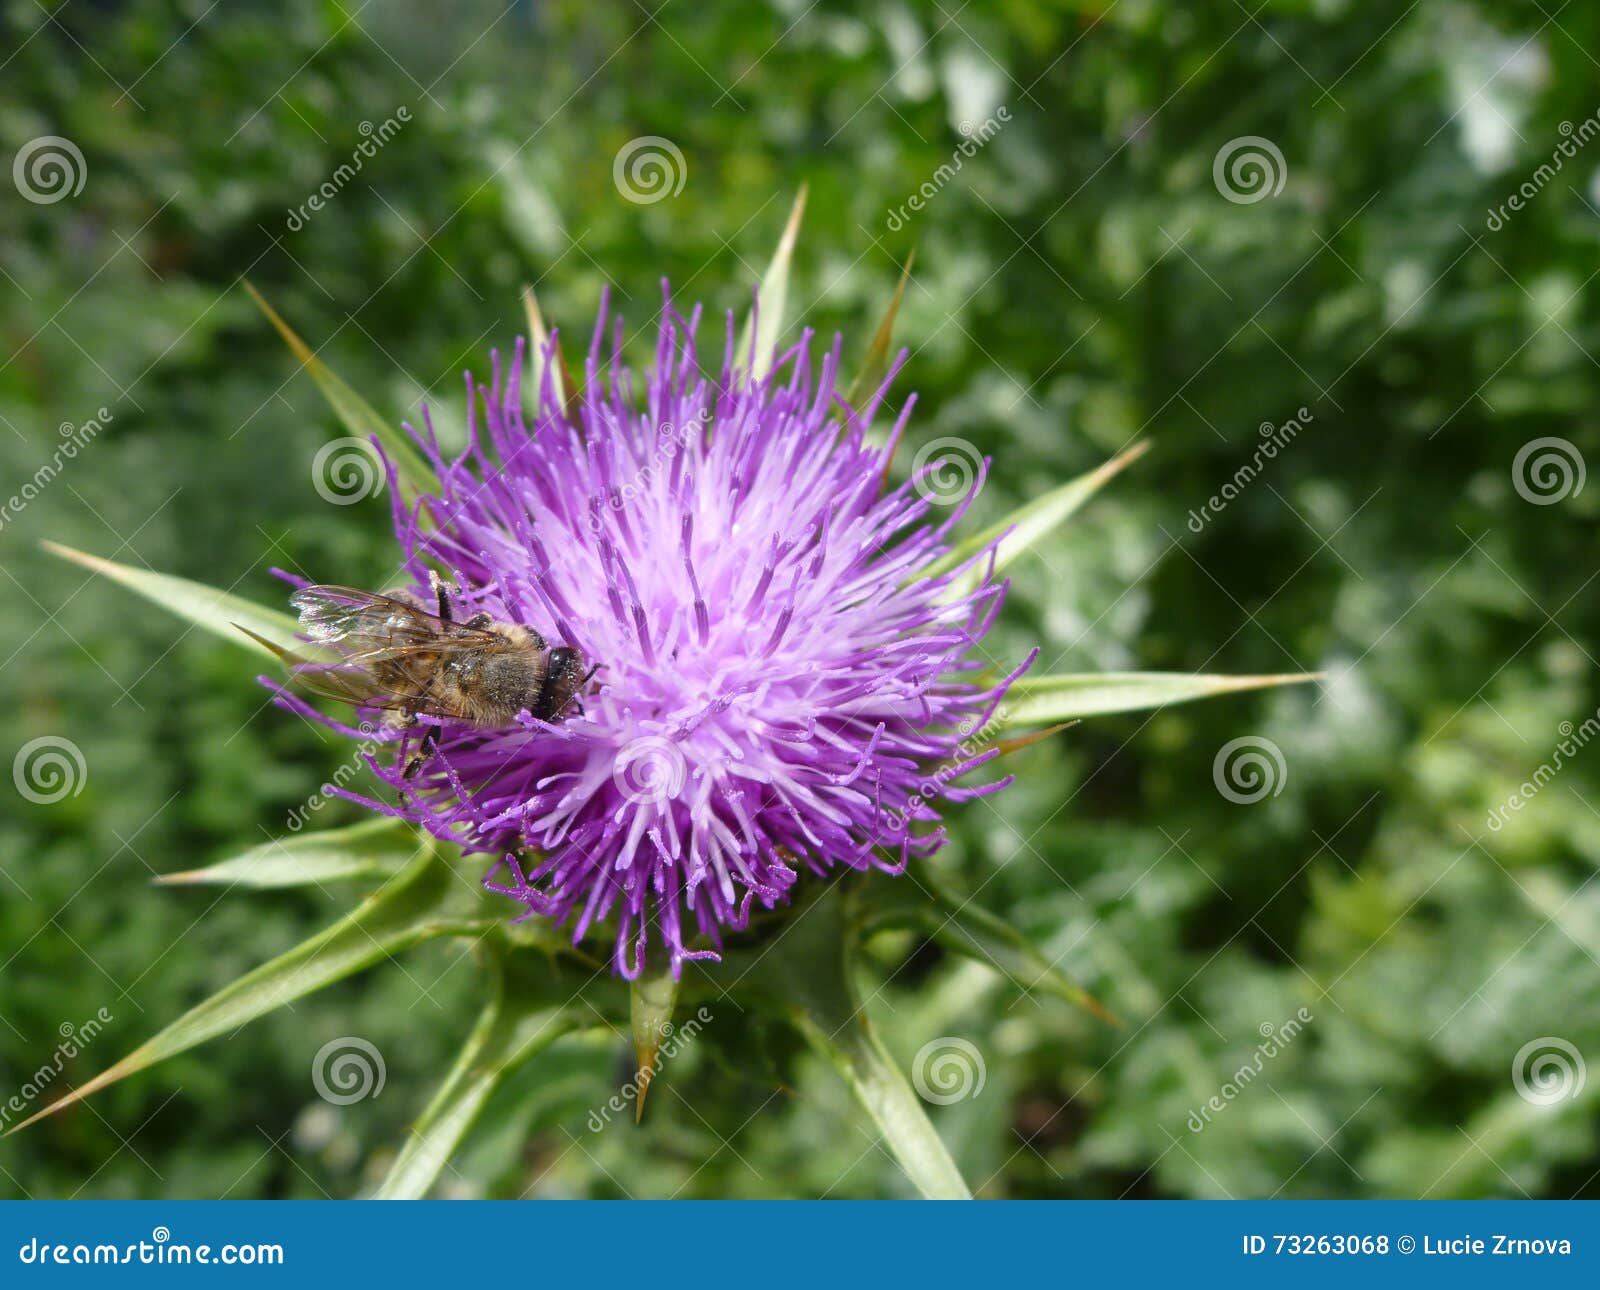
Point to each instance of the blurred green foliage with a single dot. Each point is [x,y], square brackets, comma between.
[1079,283]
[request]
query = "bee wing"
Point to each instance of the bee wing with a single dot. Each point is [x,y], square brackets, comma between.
[367,628]
[330,680]
[357,689]
[338,681]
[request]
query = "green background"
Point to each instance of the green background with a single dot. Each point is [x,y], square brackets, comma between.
[1081,282]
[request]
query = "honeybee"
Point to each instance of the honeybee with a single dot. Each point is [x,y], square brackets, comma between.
[395,654]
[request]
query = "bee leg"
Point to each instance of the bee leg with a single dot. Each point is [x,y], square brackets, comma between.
[405,723]
[414,763]
[430,738]
[437,584]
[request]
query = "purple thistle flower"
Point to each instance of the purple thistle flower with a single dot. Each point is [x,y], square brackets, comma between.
[781,687]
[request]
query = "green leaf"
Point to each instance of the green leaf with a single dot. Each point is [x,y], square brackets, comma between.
[923,903]
[876,365]
[1041,699]
[421,902]
[852,1044]
[805,975]
[539,340]
[372,848]
[516,1025]
[204,606]
[357,416]
[651,1001]
[1031,521]
[766,320]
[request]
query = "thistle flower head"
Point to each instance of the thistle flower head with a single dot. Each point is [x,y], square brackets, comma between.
[784,684]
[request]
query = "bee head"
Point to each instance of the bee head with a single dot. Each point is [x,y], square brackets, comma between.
[564,675]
